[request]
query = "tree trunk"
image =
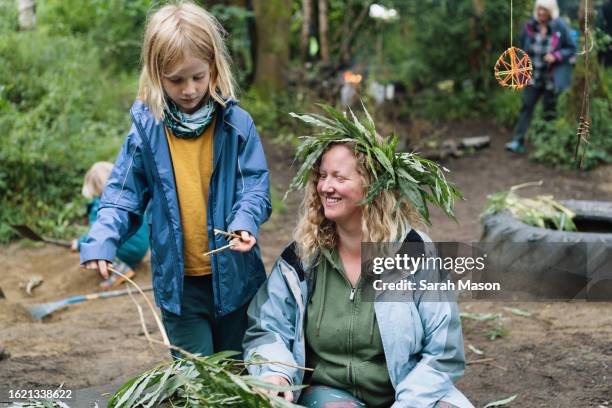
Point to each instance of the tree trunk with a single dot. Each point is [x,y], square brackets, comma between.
[27,14]
[306,23]
[477,57]
[346,42]
[272,21]
[323,31]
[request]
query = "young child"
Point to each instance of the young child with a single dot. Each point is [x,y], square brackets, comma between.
[134,249]
[194,160]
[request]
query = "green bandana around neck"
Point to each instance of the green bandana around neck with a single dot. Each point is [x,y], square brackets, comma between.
[188,126]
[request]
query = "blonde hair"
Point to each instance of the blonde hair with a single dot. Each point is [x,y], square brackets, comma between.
[388,218]
[550,5]
[95,179]
[173,32]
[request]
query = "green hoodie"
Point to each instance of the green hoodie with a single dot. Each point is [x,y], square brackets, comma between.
[343,342]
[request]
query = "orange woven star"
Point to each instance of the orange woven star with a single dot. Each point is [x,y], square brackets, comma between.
[513,68]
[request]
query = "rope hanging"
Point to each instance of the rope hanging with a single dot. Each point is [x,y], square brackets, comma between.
[513,68]
[584,124]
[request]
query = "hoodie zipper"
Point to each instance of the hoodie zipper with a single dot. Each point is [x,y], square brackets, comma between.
[351,374]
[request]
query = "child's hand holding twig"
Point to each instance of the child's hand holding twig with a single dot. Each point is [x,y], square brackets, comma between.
[244,243]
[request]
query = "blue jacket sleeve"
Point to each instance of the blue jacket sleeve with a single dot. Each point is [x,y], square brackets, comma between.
[271,332]
[252,205]
[122,204]
[442,357]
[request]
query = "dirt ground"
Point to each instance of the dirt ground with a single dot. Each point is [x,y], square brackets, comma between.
[559,356]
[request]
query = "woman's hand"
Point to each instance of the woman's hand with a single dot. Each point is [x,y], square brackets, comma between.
[245,243]
[278,380]
[74,245]
[549,58]
[101,265]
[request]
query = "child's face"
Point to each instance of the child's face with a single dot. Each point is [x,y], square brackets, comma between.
[186,82]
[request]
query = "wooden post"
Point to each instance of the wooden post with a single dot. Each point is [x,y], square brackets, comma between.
[323,30]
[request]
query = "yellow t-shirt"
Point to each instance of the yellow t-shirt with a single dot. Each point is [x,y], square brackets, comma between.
[192,160]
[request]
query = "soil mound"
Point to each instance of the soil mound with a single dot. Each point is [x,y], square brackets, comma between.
[12,313]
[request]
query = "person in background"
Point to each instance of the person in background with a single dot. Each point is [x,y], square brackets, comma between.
[132,251]
[548,41]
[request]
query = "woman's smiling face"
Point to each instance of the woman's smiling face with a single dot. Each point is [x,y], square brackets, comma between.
[340,186]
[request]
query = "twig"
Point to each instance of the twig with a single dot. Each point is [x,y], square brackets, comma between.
[528,184]
[214,251]
[487,361]
[142,319]
[480,361]
[160,326]
[227,234]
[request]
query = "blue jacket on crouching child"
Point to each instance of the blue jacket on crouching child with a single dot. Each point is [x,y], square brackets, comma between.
[422,340]
[239,199]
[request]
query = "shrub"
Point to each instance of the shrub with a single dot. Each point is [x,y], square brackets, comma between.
[59,113]
[505,106]
[115,26]
[554,142]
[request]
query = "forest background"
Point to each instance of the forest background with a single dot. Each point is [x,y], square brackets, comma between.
[67,82]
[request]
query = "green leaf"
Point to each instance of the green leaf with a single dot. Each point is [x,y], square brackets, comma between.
[384,161]
[312,120]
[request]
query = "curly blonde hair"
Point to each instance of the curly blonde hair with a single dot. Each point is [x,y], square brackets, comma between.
[388,218]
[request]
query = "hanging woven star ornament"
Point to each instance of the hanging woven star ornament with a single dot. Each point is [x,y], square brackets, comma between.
[513,68]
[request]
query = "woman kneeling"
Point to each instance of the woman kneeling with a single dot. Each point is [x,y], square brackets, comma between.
[311,312]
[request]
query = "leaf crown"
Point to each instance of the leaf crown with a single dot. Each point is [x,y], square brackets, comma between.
[418,179]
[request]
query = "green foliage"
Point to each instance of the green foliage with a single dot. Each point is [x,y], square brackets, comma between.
[114,26]
[539,211]
[443,102]
[8,21]
[278,204]
[498,331]
[450,39]
[59,113]
[443,52]
[554,142]
[234,20]
[213,381]
[271,115]
[505,106]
